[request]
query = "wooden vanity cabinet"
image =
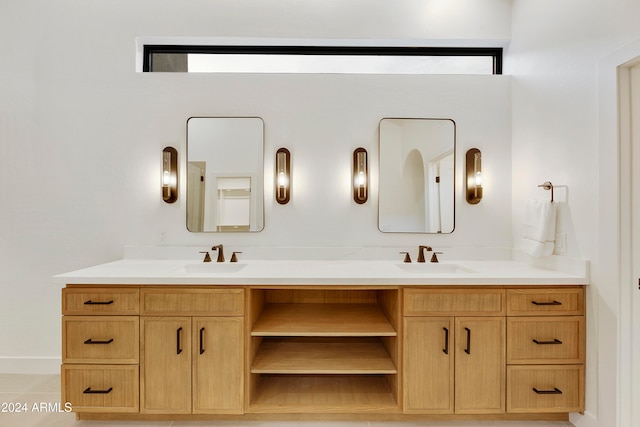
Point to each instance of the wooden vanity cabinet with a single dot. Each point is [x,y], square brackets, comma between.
[100,352]
[192,364]
[454,364]
[145,352]
[546,350]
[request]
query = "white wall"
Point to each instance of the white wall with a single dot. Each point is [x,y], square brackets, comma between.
[81,134]
[556,59]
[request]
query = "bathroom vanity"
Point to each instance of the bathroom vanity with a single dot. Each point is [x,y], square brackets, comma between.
[158,339]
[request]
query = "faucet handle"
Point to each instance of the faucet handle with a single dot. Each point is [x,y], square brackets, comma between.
[207,257]
[434,257]
[234,258]
[407,257]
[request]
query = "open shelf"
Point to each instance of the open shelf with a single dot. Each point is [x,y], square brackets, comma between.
[323,350]
[322,320]
[322,356]
[323,394]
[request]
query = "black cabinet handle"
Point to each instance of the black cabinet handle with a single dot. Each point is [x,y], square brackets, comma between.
[546,303]
[89,302]
[89,391]
[555,341]
[446,341]
[91,341]
[178,346]
[554,391]
[201,340]
[468,349]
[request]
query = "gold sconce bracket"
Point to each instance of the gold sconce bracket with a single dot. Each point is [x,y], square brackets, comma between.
[360,175]
[474,176]
[283,176]
[169,175]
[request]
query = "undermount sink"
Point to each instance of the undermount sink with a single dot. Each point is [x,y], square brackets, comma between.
[215,267]
[432,267]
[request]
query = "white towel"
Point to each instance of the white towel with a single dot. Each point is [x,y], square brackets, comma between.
[539,230]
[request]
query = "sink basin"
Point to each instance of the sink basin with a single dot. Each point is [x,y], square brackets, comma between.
[215,267]
[432,267]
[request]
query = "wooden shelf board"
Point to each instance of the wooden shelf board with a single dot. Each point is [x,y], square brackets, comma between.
[323,394]
[328,320]
[322,356]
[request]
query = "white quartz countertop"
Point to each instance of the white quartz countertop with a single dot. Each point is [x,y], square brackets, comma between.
[320,272]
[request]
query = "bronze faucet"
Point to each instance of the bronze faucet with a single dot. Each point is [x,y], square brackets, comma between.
[421,252]
[220,252]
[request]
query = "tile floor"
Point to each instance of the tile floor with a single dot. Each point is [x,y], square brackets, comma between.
[37,389]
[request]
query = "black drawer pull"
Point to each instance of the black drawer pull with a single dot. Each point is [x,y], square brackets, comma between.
[89,391]
[555,341]
[554,391]
[201,340]
[546,303]
[446,341]
[98,302]
[468,349]
[178,346]
[91,341]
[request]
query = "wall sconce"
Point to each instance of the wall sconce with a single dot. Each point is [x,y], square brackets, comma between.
[283,176]
[169,174]
[474,176]
[360,176]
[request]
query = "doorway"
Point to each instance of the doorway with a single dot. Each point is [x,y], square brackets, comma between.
[635,236]
[629,157]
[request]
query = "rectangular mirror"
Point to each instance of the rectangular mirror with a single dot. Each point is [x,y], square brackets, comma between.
[417,176]
[225,174]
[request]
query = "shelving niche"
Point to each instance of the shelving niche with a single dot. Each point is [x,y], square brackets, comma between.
[316,349]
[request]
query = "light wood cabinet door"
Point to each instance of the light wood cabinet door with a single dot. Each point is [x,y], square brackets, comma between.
[428,365]
[545,339]
[545,388]
[166,365]
[480,368]
[100,339]
[100,388]
[218,372]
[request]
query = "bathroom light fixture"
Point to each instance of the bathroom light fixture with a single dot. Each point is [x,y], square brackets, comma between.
[283,176]
[169,174]
[474,176]
[360,176]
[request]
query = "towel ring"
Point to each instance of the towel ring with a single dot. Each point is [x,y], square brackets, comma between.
[548,186]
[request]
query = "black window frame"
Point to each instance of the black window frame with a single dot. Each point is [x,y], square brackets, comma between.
[494,52]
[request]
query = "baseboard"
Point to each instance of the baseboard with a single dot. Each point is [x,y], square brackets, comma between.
[584,420]
[30,365]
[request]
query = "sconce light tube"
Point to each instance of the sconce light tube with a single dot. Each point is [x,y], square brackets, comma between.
[360,175]
[474,176]
[283,176]
[169,175]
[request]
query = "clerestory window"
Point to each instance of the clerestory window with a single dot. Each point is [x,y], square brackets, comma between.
[322,59]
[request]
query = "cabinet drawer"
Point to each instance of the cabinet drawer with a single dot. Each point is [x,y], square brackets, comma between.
[192,302]
[100,301]
[545,388]
[453,302]
[550,340]
[100,339]
[101,388]
[550,302]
